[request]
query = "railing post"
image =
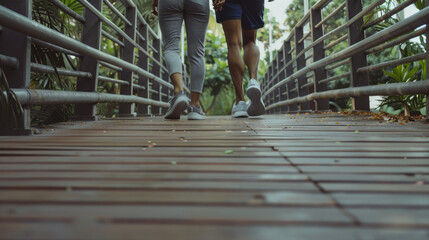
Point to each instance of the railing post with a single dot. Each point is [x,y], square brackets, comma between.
[18,45]
[165,91]
[318,54]
[127,109]
[92,37]
[282,75]
[143,62]
[277,93]
[300,64]
[156,70]
[357,34]
[270,84]
[427,65]
[289,71]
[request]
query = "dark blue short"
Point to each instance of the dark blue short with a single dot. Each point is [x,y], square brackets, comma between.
[251,13]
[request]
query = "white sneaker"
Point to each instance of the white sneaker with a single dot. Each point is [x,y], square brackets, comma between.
[256,105]
[195,113]
[239,110]
[178,104]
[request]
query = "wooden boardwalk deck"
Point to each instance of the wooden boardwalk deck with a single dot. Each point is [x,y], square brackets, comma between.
[276,177]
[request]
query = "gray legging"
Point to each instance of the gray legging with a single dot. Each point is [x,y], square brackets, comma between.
[196,15]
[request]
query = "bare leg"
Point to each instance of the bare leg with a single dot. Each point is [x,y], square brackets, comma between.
[195,99]
[232,29]
[177,80]
[251,52]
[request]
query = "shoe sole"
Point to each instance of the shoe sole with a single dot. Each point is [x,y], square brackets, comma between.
[179,106]
[256,107]
[196,116]
[240,114]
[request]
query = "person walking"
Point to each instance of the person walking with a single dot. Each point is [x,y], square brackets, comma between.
[241,20]
[171,15]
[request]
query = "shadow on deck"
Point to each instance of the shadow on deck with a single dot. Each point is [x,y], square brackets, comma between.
[318,176]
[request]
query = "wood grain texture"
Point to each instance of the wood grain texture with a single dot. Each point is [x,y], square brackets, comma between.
[317,176]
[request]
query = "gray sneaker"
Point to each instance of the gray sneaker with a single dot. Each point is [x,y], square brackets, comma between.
[239,110]
[256,106]
[196,113]
[178,104]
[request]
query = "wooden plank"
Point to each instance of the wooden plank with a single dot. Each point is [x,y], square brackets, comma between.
[301,176]
[371,178]
[359,169]
[205,176]
[360,161]
[68,167]
[156,231]
[377,200]
[393,216]
[264,197]
[179,213]
[415,187]
[71,185]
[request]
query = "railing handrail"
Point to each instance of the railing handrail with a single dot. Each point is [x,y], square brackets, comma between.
[153,85]
[285,87]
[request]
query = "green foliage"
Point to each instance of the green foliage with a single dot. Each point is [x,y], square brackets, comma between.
[420,4]
[295,12]
[405,74]
[48,14]
[12,114]
[218,78]
[264,35]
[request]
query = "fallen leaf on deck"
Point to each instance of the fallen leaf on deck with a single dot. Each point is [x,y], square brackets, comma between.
[229,152]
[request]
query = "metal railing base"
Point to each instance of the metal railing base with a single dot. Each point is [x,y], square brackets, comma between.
[16,132]
[85,118]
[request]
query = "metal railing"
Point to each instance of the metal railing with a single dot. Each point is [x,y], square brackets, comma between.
[298,78]
[140,71]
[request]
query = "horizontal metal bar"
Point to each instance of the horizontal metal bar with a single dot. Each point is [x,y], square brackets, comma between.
[341,7]
[143,21]
[394,63]
[35,67]
[153,91]
[68,10]
[308,84]
[154,49]
[326,80]
[105,20]
[397,41]
[393,89]
[335,31]
[54,47]
[112,80]
[44,97]
[111,66]
[139,87]
[140,36]
[291,50]
[343,38]
[111,37]
[22,24]
[392,12]
[115,10]
[128,3]
[321,4]
[305,37]
[338,64]
[393,31]
[338,29]
[303,20]
[10,62]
